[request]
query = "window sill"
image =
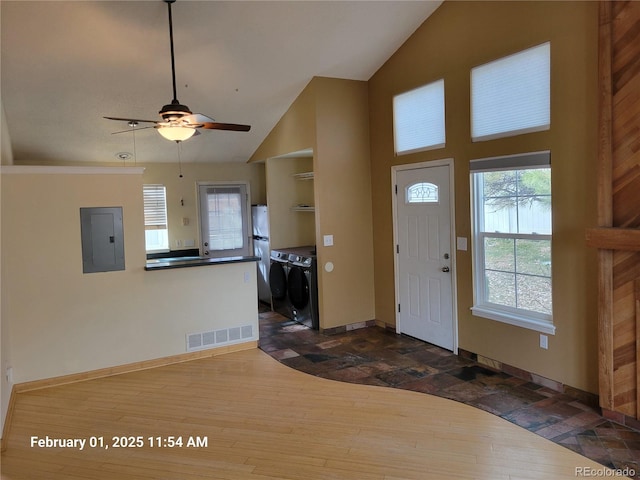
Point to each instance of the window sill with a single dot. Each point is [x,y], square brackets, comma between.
[421,149]
[516,320]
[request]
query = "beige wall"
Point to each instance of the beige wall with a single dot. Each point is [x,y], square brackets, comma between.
[155,292]
[185,189]
[289,228]
[6,158]
[6,153]
[343,201]
[331,117]
[294,132]
[459,36]
[63,321]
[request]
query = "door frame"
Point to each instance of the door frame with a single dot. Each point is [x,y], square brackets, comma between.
[448,162]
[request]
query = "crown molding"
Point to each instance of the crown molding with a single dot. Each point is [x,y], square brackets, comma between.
[68,170]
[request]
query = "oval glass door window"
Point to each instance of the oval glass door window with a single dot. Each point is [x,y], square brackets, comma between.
[422,193]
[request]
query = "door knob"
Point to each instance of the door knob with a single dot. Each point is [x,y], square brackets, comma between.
[445,269]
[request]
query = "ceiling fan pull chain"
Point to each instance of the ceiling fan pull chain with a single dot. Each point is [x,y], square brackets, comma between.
[135,154]
[179,158]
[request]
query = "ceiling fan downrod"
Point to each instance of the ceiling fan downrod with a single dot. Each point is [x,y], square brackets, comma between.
[174,110]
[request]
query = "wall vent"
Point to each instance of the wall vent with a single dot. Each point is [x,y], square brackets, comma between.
[234,334]
[194,341]
[215,338]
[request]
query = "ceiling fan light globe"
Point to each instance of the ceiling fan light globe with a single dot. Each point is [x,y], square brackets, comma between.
[176,133]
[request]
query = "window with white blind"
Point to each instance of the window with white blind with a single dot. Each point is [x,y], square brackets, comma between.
[511,96]
[155,218]
[511,204]
[418,119]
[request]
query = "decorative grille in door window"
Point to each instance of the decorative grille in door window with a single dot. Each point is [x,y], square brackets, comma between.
[422,193]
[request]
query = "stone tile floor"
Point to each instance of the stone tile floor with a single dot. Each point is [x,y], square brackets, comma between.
[376,356]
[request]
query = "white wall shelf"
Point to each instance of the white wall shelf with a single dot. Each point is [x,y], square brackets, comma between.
[303,176]
[303,208]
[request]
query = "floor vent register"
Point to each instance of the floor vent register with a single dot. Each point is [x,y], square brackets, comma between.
[216,338]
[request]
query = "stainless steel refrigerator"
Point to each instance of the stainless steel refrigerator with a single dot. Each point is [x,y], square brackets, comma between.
[261,248]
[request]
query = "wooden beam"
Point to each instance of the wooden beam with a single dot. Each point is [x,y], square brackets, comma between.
[605,118]
[610,238]
[636,291]
[605,208]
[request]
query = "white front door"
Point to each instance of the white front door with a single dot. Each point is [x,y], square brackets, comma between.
[423,251]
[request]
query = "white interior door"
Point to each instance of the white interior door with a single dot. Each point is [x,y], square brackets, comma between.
[224,219]
[423,219]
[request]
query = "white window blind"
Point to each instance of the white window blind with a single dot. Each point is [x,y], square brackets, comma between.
[511,96]
[418,118]
[226,222]
[155,207]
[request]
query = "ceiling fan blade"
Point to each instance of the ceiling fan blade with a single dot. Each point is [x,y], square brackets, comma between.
[196,119]
[226,126]
[130,130]
[130,119]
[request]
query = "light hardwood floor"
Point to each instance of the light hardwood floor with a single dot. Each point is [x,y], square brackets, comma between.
[264,421]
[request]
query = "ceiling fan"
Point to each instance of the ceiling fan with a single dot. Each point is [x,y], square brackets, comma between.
[178,122]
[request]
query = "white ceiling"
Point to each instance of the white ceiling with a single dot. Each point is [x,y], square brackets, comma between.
[66,64]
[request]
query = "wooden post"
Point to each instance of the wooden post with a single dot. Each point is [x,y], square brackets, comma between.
[605,210]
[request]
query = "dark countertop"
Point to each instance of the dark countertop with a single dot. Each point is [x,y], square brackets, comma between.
[184,262]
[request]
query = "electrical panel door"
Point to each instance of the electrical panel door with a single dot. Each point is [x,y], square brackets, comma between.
[102,239]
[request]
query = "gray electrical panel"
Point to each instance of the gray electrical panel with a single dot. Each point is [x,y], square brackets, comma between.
[102,239]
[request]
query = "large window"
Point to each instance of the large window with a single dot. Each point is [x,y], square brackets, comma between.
[512,95]
[512,240]
[418,118]
[155,218]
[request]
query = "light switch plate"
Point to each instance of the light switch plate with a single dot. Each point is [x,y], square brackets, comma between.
[327,240]
[461,243]
[544,341]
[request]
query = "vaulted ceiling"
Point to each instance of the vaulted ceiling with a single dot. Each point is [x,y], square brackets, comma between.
[66,64]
